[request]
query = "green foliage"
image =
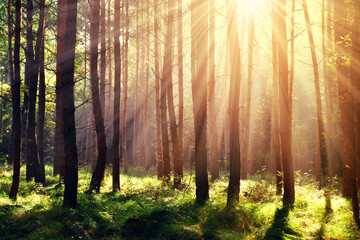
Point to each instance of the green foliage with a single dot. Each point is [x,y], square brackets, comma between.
[146,209]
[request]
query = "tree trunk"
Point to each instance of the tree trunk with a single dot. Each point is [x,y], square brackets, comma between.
[107,120]
[321,158]
[199,38]
[146,122]
[127,22]
[157,93]
[275,105]
[354,92]
[102,55]
[59,158]
[117,92]
[99,170]
[292,59]
[181,83]
[329,86]
[136,117]
[213,137]
[285,129]
[167,72]
[40,74]
[248,99]
[16,111]
[11,74]
[343,95]
[32,161]
[235,80]
[67,84]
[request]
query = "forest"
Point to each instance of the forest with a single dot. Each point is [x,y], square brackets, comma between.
[179,119]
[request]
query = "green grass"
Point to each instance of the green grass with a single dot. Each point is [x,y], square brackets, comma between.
[146,209]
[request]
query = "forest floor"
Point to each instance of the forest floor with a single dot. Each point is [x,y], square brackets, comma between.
[146,209]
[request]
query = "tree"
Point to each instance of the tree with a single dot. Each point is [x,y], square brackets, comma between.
[32,161]
[39,60]
[249,89]
[127,22]
[167,71]
[285,130]
[98,173]
[68,108]
[275,136]
[321,158]
[214,155]
[117,91]
[181,82]
[59,157]
[354,92]
[157,93]
[146,114]
[102,54]
[199,42]
[235,80]
[16,111]
[345,100]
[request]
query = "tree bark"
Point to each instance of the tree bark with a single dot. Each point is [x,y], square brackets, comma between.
[354,92]
[181,82]
[146,122]
[102,54]
[32,161]
[68,108]
[117,92]
[59,158]
[275,105]
[345,100]
[98,173]
[40,75]
[167,71]
[249,89]
[199,38]
[235,80]
[321,158]
[285,129]
[213,136]
[16,111]
[127,22]
[157,93]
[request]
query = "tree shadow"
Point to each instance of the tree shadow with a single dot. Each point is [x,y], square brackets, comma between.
[325,217]
[280,227]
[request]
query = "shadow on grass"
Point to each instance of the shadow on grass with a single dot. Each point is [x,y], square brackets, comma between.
[325,217]
[280,228]
[164,223]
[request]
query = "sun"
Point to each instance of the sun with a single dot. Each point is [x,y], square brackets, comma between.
[251,7]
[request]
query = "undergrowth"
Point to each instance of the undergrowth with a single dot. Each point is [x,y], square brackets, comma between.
[146,209]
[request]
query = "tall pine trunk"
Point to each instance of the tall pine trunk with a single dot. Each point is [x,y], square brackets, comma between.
[249,90]
[127,22]
[146,114]
[157,92]
[345,103]
[16,111]
[354,92]
[117,91]
[234,97]
[213,136]
[321,158]
[199,42]
[68,108]
[59,158]
[275,135]
[285,126]
[32,161]
[98,173]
